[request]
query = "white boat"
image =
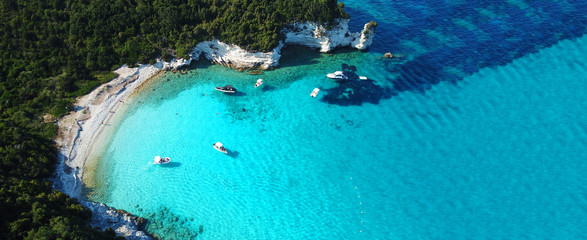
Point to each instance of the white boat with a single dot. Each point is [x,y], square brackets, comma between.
[227,89]
[337,75]
[160,160]
[259,82]
[315,92]
[219,147]
[363,78]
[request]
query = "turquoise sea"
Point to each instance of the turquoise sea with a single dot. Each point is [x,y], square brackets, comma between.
[479,131]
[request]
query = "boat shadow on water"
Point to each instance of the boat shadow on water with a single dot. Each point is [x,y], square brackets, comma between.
[268,88]
[235,94]
[232,154]
[171,165]
[355,92]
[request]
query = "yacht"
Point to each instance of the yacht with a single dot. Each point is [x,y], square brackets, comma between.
[219,147]
[160,160]
[337,75]
[226,89]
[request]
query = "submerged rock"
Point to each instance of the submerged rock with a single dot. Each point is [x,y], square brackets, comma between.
[123,223]
[396,57]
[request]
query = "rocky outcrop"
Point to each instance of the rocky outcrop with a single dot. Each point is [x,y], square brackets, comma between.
[366,38]
[307,34]
[394,56]
[317,36]
[175,64]
[235,57]
[123,223]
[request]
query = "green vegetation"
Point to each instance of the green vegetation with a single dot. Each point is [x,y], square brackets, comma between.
[371,24]
[55,50]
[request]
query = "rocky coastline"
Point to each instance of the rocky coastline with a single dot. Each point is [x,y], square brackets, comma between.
[306,34]
[123,223]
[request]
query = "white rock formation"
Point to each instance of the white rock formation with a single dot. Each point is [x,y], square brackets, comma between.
[317,36]
[366,38]
[235,57]
[174,64]
[306,34]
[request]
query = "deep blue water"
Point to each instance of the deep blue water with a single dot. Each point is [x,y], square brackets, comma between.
[447,40]
[478,132]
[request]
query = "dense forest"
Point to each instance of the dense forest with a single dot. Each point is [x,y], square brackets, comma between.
[55,50]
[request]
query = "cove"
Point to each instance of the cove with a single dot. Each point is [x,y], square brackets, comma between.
[359,161]
[478,132]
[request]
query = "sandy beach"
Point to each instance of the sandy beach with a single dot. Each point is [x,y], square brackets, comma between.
[92,113]
[80,132]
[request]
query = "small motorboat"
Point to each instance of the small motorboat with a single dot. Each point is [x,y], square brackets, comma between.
[160,160]
[337,75]
[315,92]
[226,89]
[259,82]
[220,148]
[363,78]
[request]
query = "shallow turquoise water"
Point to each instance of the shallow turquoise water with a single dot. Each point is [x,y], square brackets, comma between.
[448,143]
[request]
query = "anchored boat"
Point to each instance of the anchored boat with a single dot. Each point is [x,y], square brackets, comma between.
[315,92]
[220,147]
[337,75]
[226,89]
[160,160]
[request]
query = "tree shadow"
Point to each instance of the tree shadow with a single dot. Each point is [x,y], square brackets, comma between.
[293,55]
[355,92]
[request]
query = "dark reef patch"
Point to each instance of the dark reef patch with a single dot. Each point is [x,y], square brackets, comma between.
[478,34]
[354,91]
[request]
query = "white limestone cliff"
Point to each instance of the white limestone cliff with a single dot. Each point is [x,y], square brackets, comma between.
[366,38]
[307,34]
[317,36]
[235,57]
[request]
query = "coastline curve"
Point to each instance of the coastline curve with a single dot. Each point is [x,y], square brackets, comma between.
[80,130]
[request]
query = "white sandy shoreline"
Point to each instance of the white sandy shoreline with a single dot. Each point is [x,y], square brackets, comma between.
[81,128]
